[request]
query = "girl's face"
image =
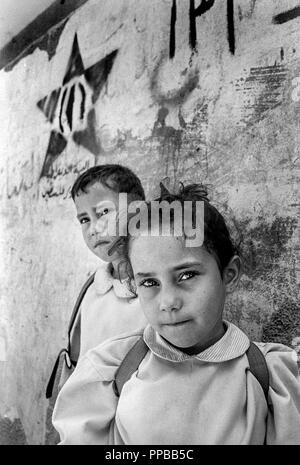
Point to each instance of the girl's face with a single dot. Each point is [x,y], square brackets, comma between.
[180,288]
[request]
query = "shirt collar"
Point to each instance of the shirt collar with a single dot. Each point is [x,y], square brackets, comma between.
[233,344]
[104,281]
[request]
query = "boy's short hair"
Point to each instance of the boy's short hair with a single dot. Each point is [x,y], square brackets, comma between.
[116,177]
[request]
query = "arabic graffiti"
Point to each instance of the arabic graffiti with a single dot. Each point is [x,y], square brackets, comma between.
[22,179]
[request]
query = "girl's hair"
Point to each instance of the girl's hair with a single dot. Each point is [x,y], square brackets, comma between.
[116,177]
[217,240]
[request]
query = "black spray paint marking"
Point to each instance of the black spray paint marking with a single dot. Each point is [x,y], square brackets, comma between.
[57,143]
[287,16]
[75,65]
[61,103]
[230,26]
[69,110]
[51,104]
[88,137]
[204,6]
[194,13]
[97,75]
[61,110]
[48,104]
[172,30]
[82,106]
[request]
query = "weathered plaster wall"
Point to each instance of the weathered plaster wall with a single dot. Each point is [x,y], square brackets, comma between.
[207,94]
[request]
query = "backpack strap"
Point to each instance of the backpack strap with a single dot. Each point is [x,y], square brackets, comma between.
[258,367]
[74,324]
[72,352]
[133,358]
[130,364]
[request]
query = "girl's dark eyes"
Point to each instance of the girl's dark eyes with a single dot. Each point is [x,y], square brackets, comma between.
[147,283]
[186,275]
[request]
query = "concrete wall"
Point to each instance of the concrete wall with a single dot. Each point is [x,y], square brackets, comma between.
[205,93]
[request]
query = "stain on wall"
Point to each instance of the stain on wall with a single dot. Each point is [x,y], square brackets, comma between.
[196,91]
[12,432]
[262,90]
[257,239]
[284,324]
[169,139]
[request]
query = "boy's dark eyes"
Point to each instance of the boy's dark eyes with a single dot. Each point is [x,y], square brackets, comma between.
[83,220]
[103,212]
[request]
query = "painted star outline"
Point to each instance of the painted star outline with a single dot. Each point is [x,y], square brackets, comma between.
[96,76]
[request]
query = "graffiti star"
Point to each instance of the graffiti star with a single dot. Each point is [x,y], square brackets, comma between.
[70,108]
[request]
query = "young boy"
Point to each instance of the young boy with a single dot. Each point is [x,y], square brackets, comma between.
[108,307]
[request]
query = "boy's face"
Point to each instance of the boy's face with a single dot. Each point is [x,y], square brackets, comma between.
[180,289]
[97,208]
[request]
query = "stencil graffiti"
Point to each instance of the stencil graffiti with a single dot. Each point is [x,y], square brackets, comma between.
[70,108]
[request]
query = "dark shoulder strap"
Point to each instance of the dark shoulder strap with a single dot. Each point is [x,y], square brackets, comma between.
[133,358]
[76,308]
[130,364]
[259,367]
[69,356]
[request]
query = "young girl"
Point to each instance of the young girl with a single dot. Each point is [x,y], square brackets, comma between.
[194,385]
